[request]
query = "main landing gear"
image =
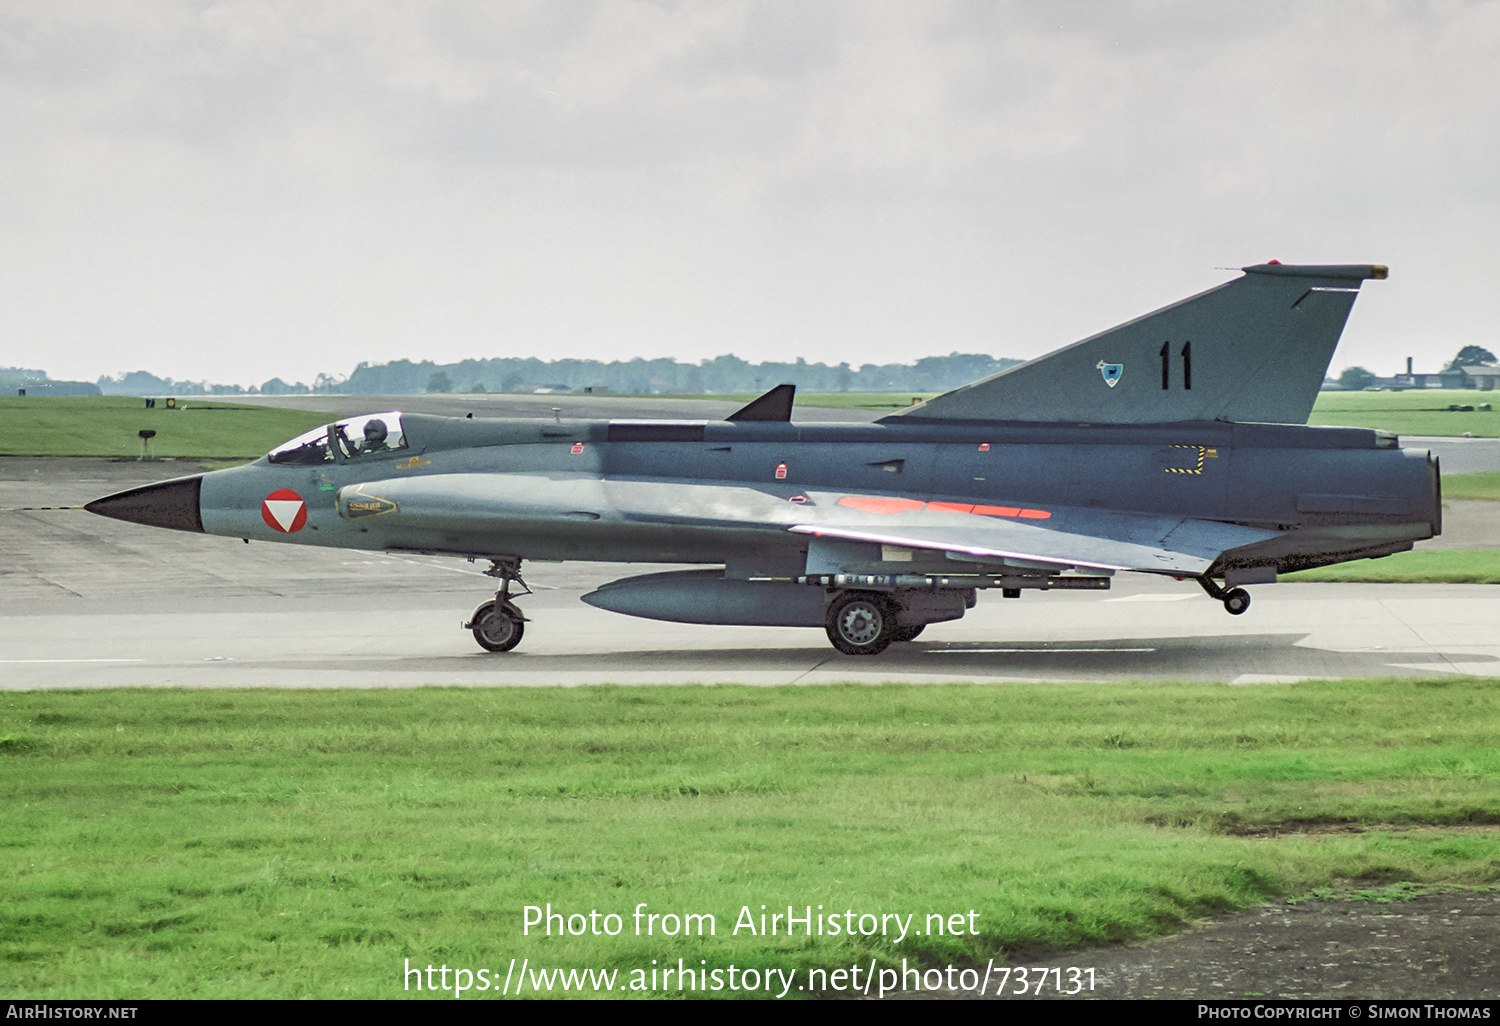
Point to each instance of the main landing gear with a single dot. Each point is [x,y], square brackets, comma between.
[1236,600]
[864,623]
[498,625]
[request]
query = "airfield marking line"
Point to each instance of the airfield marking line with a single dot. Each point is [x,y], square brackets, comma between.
[6,661]
[460,570]
[1029,651]
[812,669]
[1430,648]
[437,566]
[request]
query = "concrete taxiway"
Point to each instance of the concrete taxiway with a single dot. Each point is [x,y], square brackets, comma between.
[90,602]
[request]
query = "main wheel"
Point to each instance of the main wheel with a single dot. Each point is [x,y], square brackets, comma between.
[497,628]
[908,633]
[1237,601]
[861,624]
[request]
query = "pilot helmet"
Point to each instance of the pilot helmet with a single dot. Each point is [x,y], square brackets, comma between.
[375,432]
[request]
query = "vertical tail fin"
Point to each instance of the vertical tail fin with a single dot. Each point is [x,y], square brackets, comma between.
[1253,349]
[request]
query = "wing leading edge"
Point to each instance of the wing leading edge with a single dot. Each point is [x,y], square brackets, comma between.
[1093,538]
[1060,535]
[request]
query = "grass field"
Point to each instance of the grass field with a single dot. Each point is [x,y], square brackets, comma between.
[107,426]
[167,843]
[210,429]
[1414,412]
[1406,413]
[1485,485]
[1429,566]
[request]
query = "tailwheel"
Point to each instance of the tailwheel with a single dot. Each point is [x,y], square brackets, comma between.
[1236,600]
[497,627]
[861,623]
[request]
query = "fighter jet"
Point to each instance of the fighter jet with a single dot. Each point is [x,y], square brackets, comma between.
[1175,444]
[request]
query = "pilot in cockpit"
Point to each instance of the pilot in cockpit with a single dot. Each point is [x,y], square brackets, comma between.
[375,437]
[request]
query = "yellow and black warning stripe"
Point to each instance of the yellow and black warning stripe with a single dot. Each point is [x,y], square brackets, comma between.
[1204,452]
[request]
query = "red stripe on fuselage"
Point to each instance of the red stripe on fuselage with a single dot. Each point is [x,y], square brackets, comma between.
[886,504]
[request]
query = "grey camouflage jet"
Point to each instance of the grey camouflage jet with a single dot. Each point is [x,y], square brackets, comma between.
[1175,444]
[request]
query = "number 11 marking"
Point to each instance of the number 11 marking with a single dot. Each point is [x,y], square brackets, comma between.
[1187,366]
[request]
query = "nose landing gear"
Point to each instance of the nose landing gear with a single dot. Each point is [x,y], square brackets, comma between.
[498,624]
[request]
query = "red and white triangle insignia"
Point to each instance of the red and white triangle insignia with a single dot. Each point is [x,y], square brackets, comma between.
[283,510]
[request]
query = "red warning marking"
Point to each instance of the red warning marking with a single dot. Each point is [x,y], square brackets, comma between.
[283,510]
[798,499]
[882,504]
[984,446]
[781,471]
[577,448]
[879,504]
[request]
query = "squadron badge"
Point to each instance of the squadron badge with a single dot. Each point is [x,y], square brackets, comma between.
[1111,372]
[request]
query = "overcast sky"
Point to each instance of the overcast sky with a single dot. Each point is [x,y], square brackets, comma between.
[231,191]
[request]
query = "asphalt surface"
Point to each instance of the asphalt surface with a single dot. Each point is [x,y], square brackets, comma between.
[91,602]
[86,601]
[1369,948]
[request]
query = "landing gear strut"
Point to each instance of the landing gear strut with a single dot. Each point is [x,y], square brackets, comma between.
[498,624]
[1236,600]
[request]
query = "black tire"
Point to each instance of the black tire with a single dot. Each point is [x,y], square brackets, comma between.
[1237,601]
[861,623]
[908,633]
[496,628]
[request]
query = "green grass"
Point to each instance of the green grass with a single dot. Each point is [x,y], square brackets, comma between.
[168,843]
[887,402]
[1484,485]
[1429,566]
[107,426]
[1413,412]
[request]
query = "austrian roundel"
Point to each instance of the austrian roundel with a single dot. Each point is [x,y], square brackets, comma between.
[283,510]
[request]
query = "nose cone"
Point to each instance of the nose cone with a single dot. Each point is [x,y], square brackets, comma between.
[171,504]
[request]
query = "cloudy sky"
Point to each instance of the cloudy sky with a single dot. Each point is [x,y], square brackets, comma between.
[231,191]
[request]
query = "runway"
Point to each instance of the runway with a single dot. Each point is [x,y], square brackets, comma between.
[89,602]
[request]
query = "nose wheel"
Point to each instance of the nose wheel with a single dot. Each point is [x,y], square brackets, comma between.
[498,625]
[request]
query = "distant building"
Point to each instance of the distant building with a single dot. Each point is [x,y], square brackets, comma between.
[1482,376]
[1412,379]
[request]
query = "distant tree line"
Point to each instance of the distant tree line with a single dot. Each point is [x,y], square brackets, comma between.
[36,382]
[720,375]
[1355,379]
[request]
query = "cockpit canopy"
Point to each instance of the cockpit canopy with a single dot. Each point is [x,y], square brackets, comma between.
[355,438]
